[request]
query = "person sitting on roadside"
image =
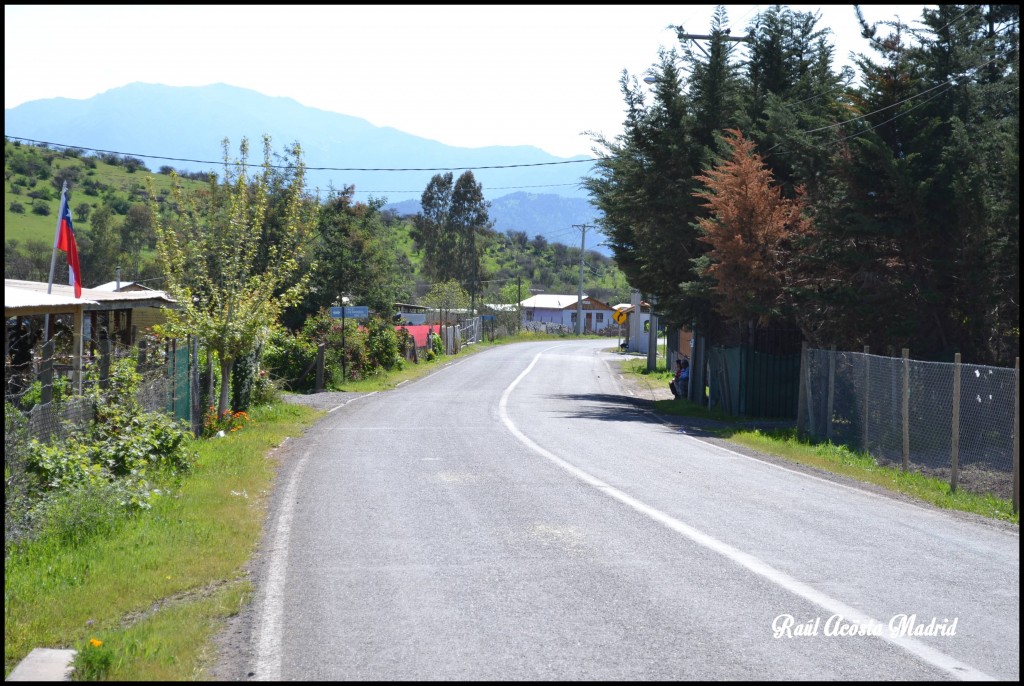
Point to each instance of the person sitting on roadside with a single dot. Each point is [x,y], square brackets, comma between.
[679,385]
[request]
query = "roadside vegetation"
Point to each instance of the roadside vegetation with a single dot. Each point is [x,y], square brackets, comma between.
[784,442]
[139,594]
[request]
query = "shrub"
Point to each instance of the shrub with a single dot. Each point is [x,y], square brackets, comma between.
[228,422]
[290,358]
[41,207]
[92,661]
[264,390]
[17,208]
[382,346]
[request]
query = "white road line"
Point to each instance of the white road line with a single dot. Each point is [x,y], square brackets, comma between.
[920,650]
[352,401]
[268,638]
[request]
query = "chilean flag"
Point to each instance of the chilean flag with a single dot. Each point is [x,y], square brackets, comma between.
[66,242]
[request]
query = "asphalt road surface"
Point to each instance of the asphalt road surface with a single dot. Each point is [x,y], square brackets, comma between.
[518,516]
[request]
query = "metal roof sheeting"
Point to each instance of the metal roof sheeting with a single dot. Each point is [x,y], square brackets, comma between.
[16,297]
[24,290]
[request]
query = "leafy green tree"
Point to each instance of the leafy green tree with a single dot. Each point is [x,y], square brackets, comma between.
[208,248]
[446,297]
[99,247]
[448,228]
[357,254]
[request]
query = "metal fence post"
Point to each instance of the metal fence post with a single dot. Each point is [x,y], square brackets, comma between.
[831,389]
[810,399]
[801,402]
[194,390]
[906,408]
[1016,434]
[954,457]
[867,395]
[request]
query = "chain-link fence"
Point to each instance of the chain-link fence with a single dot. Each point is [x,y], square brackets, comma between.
[45,400]
[950,420]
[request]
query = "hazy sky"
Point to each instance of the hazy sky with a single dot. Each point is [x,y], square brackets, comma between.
[465,76]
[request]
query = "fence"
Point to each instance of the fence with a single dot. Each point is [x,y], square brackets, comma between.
[471,331]
[747,382]
[956,421]
[43,393]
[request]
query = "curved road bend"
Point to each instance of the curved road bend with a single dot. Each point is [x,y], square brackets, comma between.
[516,516]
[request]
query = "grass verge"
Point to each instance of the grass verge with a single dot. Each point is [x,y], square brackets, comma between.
[836,459]
[153,590]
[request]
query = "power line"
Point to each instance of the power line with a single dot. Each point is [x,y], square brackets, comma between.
[306,167]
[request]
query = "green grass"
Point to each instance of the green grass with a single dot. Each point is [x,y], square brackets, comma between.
[836,459]
[190,547]
[839,459]
[31,226]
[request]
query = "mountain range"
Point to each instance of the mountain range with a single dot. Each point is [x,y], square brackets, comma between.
[529,189]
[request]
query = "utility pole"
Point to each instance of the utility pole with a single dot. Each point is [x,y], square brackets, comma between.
[519,300]
[579,300]
[696,37]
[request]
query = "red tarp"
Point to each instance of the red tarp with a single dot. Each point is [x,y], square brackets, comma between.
[419,333]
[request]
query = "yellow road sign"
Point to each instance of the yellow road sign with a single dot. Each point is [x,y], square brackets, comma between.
[620,316]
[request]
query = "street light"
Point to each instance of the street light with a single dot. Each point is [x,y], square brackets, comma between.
[344,303]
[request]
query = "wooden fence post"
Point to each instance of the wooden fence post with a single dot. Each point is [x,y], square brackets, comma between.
[954,457]
[319,386]
[906,409]
[104,347]
[141,364]
[46,374]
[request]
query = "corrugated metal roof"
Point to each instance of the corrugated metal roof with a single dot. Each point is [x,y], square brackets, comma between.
[90,296]
[552,301]
[112,286]
[18,298]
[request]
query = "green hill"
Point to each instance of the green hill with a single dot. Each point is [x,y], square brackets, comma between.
[34,175]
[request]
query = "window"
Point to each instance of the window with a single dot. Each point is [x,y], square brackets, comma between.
[600,317]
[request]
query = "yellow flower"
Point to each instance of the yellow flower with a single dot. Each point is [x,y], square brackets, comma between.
[96,643]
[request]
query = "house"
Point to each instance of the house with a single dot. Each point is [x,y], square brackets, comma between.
[549,308]
[121,313]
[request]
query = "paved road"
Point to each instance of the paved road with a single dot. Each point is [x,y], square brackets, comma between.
[517,516]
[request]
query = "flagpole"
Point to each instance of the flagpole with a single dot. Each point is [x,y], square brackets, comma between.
[53,256]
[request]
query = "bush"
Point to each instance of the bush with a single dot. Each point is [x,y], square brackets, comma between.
[289,358]
[77,514]
[228,422]
[77,483]
[93,661]
[382,346]
[41,207]
[17,208]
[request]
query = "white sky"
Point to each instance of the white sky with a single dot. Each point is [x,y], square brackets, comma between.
[465,76]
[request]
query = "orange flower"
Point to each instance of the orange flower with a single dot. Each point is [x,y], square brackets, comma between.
[96,643]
